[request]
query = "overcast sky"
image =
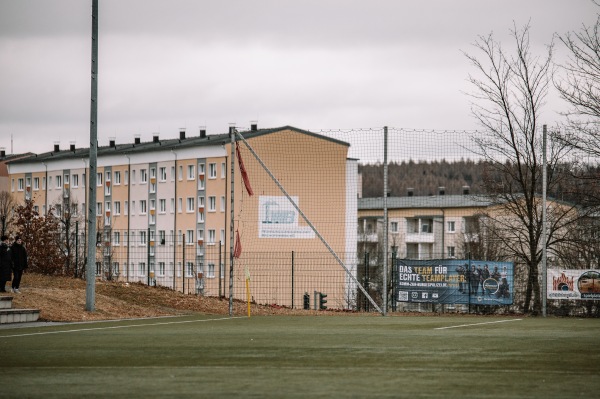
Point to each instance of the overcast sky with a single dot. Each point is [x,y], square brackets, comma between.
[313,64]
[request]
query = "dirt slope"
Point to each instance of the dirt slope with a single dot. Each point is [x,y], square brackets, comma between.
[64,299]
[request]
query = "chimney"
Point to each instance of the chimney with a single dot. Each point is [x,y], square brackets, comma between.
[182,134]
[202,132]
[2,152]
[155,138]
[137,139]
[466,190]
[231,127]
[441,190]
[72,146]
[254,126]
[56,146]
[111,142]
[410,192]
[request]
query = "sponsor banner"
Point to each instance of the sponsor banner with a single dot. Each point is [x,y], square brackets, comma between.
[573,284]
[278,218]
[452,281]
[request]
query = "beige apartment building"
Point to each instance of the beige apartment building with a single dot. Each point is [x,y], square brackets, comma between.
[164,209]
[421,227]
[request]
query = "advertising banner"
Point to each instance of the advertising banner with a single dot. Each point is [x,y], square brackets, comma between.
[573,284]
[452,281]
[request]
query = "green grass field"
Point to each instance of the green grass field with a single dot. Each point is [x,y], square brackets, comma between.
[305,357]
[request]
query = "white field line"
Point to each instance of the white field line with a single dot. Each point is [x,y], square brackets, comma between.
[115,327]
[477,324]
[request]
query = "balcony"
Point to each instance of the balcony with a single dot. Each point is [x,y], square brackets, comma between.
[419,238]
[368,237]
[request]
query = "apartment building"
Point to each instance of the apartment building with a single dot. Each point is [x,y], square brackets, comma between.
[421,227]
[163,207]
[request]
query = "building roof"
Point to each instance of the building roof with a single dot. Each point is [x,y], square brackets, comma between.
[161,145]
[433,201]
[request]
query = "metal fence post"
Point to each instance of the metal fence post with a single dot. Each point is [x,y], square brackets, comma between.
[292,279]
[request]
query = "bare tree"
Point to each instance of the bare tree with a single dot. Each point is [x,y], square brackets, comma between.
[509,92]
[579,85]
[7,204]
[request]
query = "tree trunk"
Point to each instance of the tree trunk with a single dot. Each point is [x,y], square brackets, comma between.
[528,291]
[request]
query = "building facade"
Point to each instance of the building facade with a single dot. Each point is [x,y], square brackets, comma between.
[164,208]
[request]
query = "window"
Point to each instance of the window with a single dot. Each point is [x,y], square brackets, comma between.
[451,252]
[172,205]
[117,207]
[107,176]
[117,238]
[212,170]
[210,273]
[126,204]
[172,173]
[143,238]
[190,204]
[43,183]
[132,209]
[212,236]
[200,234]
[222,237]
[180,174]
[98,179]
[133,176]
[49,182]
[451,227]
[189,237]
[28,182]
[36,183]
[161,268]
[162,174]
[223,170]
[189,269]
[179,204]
[142,269]
[191,175]
[223,203]
[212,203]
[200,169]
[58,181]
[143,207]
[99,209]
[222,270]
[20,185]
[116,268]
[425,227]
[394,227]
[162,205]
[143,176]
[117,178]
[161,237]
[75,180]
[126,177]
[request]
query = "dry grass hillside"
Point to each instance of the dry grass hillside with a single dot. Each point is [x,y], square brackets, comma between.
[64,299]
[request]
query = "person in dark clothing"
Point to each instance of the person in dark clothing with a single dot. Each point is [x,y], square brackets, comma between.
[474,280]
[5,263]
[19,262]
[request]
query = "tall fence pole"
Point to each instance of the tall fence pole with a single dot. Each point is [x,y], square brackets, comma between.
[544,223]
[90,291]
[231,221]
[385,219]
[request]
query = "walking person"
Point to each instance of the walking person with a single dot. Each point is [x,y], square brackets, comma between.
[19,262]
[5,263]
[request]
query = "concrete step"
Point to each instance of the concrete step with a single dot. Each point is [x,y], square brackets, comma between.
[18,315]
[6,302]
